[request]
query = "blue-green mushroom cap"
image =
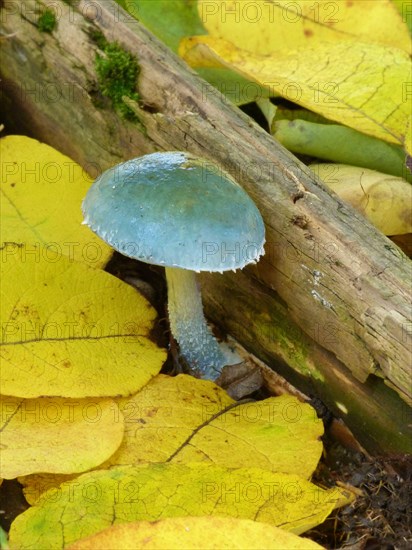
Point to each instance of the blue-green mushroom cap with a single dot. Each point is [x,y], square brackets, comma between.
[175,210]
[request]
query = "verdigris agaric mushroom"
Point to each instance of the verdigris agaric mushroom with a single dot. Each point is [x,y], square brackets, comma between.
[184,213]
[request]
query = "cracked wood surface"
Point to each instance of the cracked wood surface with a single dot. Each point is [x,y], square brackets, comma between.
[329,303]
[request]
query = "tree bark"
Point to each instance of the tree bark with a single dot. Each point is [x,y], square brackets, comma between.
[329,303]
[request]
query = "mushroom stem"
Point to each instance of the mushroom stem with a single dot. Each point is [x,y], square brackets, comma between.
[188,324]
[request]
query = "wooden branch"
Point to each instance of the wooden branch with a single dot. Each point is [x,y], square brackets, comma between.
[328,305]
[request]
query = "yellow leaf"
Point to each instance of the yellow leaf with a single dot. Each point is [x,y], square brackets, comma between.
[35,485]
[42,191]
[57,435]
[189,533]
[185,420]
[364,86]
[161,417]
[96,500]
[69,330]
[265,27]
[408,139]
[385,200]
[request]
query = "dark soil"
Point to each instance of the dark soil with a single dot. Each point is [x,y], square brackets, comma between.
[381,516]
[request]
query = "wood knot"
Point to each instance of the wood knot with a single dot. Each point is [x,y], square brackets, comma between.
[300,221]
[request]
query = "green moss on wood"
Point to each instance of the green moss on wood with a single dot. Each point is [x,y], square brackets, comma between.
[285,339]
[117,71]
[47,21]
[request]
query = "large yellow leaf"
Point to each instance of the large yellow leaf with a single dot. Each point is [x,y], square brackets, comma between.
[70,330]
[42,191]
[385,200]
[363,86]
[265,27]
[189,533]
[99,499]
[185,420]
[57,435]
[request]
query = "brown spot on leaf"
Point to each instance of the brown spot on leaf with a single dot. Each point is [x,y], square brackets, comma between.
[308,32]
[25,310]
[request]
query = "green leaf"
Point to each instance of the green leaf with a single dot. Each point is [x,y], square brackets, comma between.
[172,20]
[341,145]
[169,20]
[97,500]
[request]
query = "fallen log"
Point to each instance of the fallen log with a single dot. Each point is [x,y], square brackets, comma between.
[328,306]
